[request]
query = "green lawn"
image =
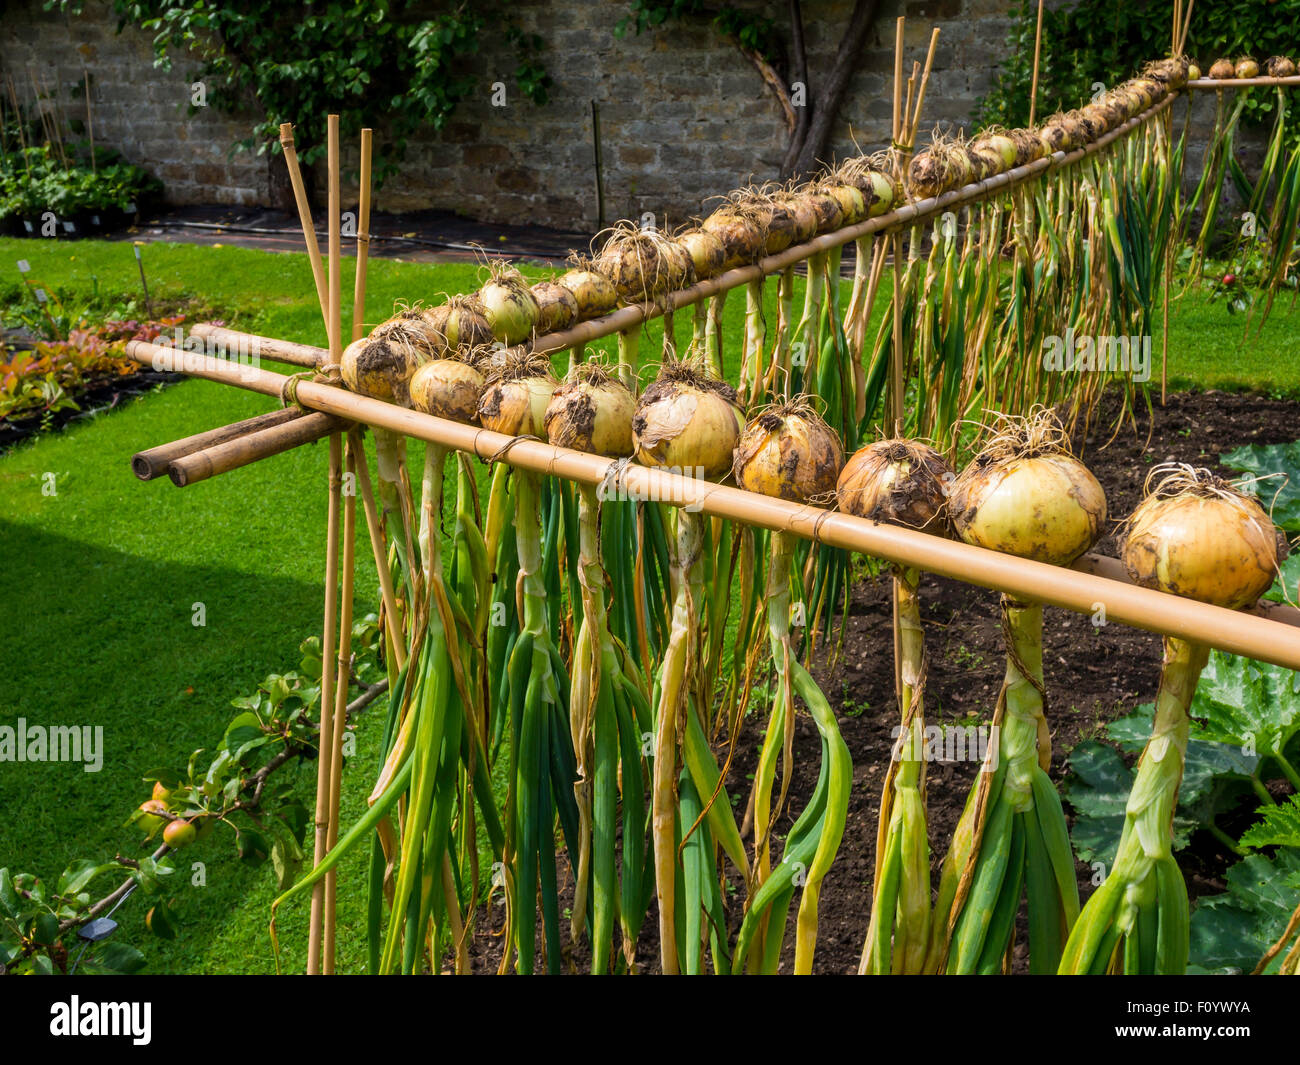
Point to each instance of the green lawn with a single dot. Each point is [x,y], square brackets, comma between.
[99,581]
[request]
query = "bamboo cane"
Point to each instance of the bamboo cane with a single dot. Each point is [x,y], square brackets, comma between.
[1038,49]
[1241,83]
[326,734]
[340,696]
[281,350]
[90,126]
[251,447]
[1237,632]
[363,241]
[153,463]
[335,323]
[304,216]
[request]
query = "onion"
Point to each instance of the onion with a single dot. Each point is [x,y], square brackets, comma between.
[448,388]
[1193,72]
[557,307]
[852,203]
[1061,133]
[382,364]
[868,177]
[1279,66]
[1197,536]
[706,252]
[1029,146]
[515,399]
[1172,73]
[741,232]
[898,482]
[991,153]
[687,420]
[592,289]
[788,452]
[1246,68]
[459,325]
[830,216]
[642,263]
[1221,68]
[1026,495]
[592,411]
[508,305]
[944,166]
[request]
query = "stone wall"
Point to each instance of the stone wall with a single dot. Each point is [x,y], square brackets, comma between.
[683,115]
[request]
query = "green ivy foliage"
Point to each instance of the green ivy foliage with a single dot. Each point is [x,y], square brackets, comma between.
[383,63]
[1106,41]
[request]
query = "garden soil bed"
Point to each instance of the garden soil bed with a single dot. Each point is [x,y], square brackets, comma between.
[1093,675]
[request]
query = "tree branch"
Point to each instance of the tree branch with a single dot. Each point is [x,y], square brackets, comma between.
[827,105]
[773,81]
[799,73]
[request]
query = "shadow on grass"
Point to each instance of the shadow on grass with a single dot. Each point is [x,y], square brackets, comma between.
[92,636]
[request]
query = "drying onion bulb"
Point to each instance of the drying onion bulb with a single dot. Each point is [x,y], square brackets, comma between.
[448,388]
[557,307]
[508,305]
[790,453]
[853,205]
[592,289]
[1246,68]
[1026,495]
[898,482]
[515,399]
[458,325]
[1193,72]
[741,231]
[1221,68]
[1279,66]
[706,252]
[642,263]
[687,420]
[1197,536]
[592,411]
[382,364]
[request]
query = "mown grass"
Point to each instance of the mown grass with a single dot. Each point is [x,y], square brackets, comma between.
[99,581]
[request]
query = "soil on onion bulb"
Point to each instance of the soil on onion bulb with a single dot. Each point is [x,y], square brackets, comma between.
[1093,677]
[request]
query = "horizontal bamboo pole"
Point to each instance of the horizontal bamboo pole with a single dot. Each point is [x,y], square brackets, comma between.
[153,463]
[1240,83]
[270,347]
[1085,593]
[909,214]
[243,450]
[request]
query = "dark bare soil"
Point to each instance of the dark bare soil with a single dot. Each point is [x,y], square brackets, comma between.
[1093,675]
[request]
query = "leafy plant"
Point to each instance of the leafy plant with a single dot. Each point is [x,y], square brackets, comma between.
[1278,467]
[34,181]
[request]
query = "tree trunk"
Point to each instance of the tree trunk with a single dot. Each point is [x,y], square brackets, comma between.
[806,150]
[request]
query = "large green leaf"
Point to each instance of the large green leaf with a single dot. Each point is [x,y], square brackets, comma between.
[1263,460]
[1231,932]
[1247,704]
[1287,587]
[1098,792]
[1279,826]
